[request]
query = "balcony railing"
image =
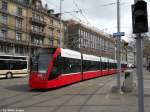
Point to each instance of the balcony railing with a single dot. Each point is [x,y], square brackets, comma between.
[21,2]
[4,10]
[41,34]
[2,38]
[37,22]
[9,40]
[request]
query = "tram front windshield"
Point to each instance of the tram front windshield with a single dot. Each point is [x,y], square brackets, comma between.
[40,62]
[43,62]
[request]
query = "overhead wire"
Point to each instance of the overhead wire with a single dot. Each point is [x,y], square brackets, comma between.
[114,3]
[51,3]
[81,11]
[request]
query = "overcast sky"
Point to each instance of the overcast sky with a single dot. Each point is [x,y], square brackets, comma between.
[98,13]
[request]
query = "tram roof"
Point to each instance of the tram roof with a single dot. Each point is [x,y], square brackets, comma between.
[112,61]
[91,57]
[103,59]
[70,53]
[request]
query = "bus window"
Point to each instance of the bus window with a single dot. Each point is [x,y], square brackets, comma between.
[4,65]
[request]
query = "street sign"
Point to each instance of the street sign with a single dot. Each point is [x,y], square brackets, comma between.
[118,34]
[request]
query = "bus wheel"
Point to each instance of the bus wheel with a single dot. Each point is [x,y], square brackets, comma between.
[9,75]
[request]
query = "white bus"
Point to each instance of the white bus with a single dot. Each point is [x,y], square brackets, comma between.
[11,66]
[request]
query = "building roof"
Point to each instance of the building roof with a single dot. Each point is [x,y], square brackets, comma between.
[91,29]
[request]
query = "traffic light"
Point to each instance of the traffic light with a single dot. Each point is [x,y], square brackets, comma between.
[139,17]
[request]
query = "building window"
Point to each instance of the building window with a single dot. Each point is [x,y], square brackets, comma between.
[19,11]
[42,18]
[51,22]
[51,32]
[37,40]
[3,18]
[37,29]
[38,5]
[18,23]
[3,34]
[33,15]
[19,49]
[5,48]
[37,17]
[51,42]
[4,5]
[18,36]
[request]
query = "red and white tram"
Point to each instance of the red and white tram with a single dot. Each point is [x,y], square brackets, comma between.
[56,67]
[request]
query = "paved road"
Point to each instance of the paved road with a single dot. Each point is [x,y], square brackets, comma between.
[89,96]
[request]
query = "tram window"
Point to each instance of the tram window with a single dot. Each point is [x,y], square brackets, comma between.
[121,65]
[100,64]
[90,65]
[113,65]
[105,65]
[70,65]
[56,70]
[109,65]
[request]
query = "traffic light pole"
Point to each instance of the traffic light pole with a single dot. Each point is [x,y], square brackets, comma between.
[139,61]
[139,68]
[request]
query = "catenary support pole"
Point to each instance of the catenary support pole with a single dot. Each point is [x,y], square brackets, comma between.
[60,35]
[118,48]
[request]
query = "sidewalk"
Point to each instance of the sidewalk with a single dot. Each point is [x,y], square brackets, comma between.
[114,102]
